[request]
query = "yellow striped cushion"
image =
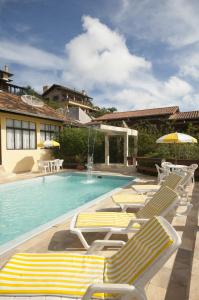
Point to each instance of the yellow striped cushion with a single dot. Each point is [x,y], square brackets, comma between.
[51,274]
[105,219]
[146,187]
[156,206]
[139,252]
[172,181]
[129,198]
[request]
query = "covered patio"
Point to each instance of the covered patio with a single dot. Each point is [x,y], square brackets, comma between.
[119,131]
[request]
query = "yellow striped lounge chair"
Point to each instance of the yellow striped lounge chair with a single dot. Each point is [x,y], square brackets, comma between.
[125,200]
[172,180]
[85,276]
[122,222]
[128,200]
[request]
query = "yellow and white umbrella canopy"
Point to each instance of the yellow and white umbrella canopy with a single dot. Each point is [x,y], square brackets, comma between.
[176,138]
[48,144]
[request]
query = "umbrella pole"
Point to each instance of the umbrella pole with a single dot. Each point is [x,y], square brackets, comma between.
[175,153]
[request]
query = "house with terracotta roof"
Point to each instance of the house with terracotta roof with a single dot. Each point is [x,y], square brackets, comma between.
[153,115]
[68,97]
[23,125]
[71,102]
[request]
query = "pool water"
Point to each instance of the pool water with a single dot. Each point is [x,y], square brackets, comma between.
[27,204]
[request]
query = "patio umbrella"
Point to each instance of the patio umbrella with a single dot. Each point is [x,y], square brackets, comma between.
[176,138]
[48,144]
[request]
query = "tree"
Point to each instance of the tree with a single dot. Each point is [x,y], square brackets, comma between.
[104,110]
[29,91]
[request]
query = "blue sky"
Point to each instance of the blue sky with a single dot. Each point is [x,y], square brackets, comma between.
[125,53]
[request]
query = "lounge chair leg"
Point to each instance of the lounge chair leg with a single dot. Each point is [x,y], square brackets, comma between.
[108,235]
[82,239]
[124,208]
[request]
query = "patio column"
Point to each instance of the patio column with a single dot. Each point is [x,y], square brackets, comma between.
[126,149]
[107,149]
[135,150]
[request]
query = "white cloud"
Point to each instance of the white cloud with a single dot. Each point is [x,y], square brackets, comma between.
[188,63]
[100,56]
[176,87]
[99,61]
[174,22]
[152,94]
[27,55]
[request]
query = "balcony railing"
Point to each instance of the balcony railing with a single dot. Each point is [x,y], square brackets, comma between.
[12,88]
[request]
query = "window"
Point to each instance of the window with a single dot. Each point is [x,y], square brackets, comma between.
[56,98]
[48,132]
[20,134]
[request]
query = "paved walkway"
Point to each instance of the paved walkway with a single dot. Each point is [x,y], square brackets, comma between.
[177,280]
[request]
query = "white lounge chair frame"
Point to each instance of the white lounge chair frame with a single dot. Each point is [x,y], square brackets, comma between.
[127,291]
[125,205]
[112,230]
[137,289]
[148,190]
[180,188]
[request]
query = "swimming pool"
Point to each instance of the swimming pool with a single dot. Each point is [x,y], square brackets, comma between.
[25,205]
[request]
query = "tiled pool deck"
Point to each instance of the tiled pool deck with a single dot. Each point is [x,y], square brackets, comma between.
[177,280]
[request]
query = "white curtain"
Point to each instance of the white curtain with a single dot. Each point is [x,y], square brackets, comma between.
[32,140]
[42,136]
[18,141]
[25,139]
[47,135]
[10,138]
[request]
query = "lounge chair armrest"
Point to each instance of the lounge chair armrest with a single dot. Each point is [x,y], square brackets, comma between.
[186,211]
[128,291]
[99,244]
[132,221]
[132,205]
[183,203]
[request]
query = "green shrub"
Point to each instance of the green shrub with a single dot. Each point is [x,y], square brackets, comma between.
[74,145]
[147,146]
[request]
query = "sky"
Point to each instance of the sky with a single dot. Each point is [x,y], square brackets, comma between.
[130,54]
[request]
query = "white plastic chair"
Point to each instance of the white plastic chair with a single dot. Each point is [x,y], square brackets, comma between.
[43,166]
[162,173]
[55,165]
[165,164]
[192,168]
[61,161]
[58,164]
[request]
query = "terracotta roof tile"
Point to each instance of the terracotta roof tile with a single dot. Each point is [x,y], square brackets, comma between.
[13,103]
[185,115]
[58,86]
[139,113]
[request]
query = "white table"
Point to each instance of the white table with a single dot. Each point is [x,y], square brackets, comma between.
[176,167]
[51,164]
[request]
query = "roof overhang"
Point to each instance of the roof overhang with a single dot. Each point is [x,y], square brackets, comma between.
[39,116]
[73,103]
[114,130]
